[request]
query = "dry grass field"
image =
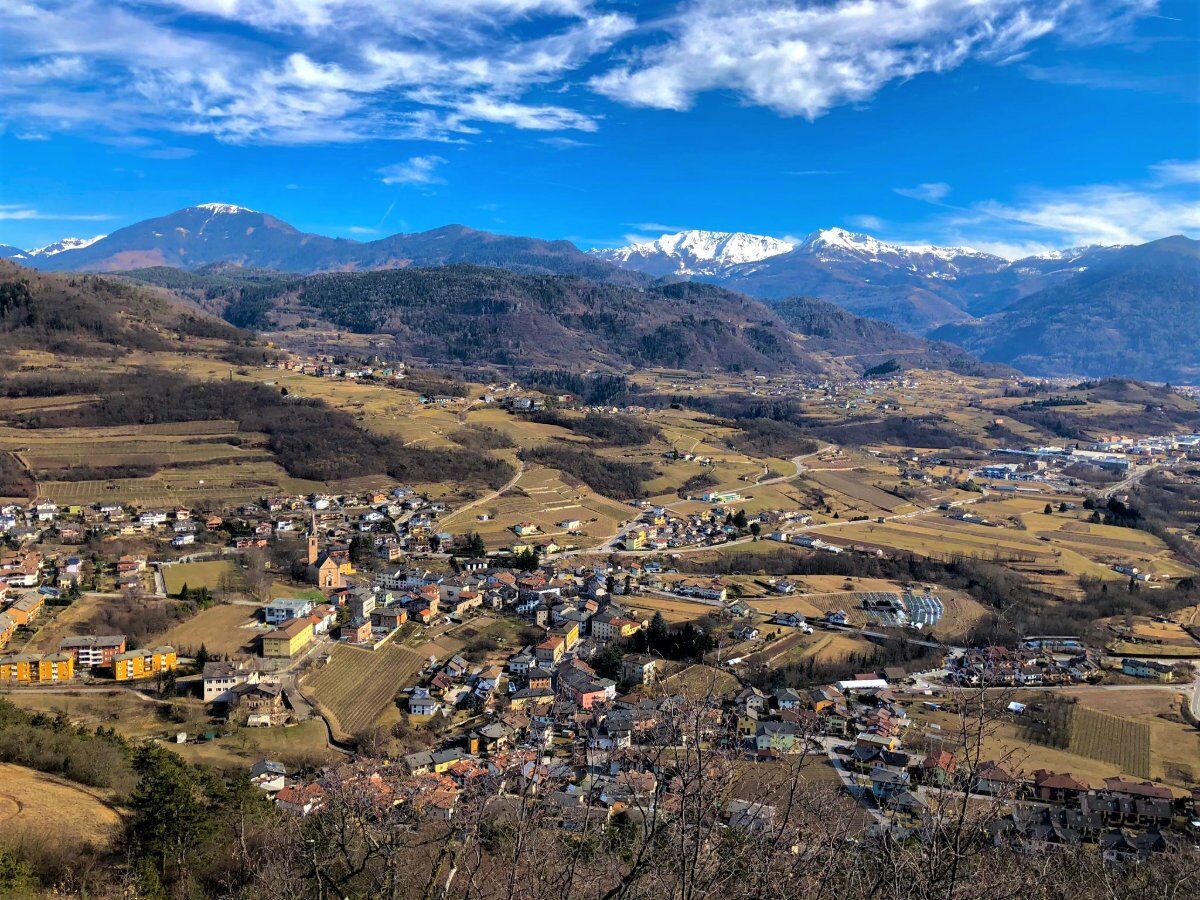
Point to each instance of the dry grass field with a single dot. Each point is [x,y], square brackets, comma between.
[66,621]
[546,498]
[857,492]
[32,807]
[225,629]
[1135,733]
[294,745]
[697,681]
[675,610]
[123,711]
[357,686]
[795,647]
[214,574]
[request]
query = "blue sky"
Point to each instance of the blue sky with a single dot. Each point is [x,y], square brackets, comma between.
[1010,125]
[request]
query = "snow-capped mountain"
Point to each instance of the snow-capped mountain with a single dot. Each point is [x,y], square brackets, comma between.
[695,252]
[915,286]
[837,245]
[71,243]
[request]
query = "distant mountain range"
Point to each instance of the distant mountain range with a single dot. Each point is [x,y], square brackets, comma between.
[992,305]
[917,287]
[224,233]
[1135,312]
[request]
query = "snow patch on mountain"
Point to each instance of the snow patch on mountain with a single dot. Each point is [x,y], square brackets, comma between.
[839,245]
[695,252]
[60,246]
[223,208]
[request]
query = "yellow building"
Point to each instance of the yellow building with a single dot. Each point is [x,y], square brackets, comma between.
[288,639]
[143,663]
[30,668]
[569,631]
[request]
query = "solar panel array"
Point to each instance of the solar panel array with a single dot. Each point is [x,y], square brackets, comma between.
[923,609]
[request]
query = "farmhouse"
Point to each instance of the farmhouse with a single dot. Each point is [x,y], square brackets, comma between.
[220,678]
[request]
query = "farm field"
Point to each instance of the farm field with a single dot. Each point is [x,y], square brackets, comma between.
[33,803]
[1174,746]
[675,610]
[224,629]
[357,686]
[546,498]
[214,574]
[293,745]
[857,492]
[795,647]
[224,483]
[1120,741]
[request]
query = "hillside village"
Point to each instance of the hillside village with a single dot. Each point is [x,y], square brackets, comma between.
[582,698]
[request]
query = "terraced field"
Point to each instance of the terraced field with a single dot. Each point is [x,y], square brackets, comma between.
[1120,741]
[546,498]
[355,687]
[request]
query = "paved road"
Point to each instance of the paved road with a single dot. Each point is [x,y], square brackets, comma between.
[487,498]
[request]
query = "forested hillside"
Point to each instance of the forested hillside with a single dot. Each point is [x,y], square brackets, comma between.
[872,341]
[472,314]
[1135,314]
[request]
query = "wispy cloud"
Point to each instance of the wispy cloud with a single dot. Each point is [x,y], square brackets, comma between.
[417,170]
[169,153]
[658,227]
[930,192]
[18,212]
[362,229]
[324,71]
[1177,171]
[560,142]
[1162,203]
[298,71]
[1074,75]
[803,59]
[869,222]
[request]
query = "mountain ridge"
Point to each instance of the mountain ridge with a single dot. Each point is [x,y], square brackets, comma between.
[209,233]
[1136,313]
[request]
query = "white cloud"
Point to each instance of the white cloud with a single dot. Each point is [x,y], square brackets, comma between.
[1164,203]
[17,212]
[1100,214]
[362,229]
[801,58]
[297,71]
[1177,171]
[869,222]
[417,170]
[930,192]
[561,142]
[320,71]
